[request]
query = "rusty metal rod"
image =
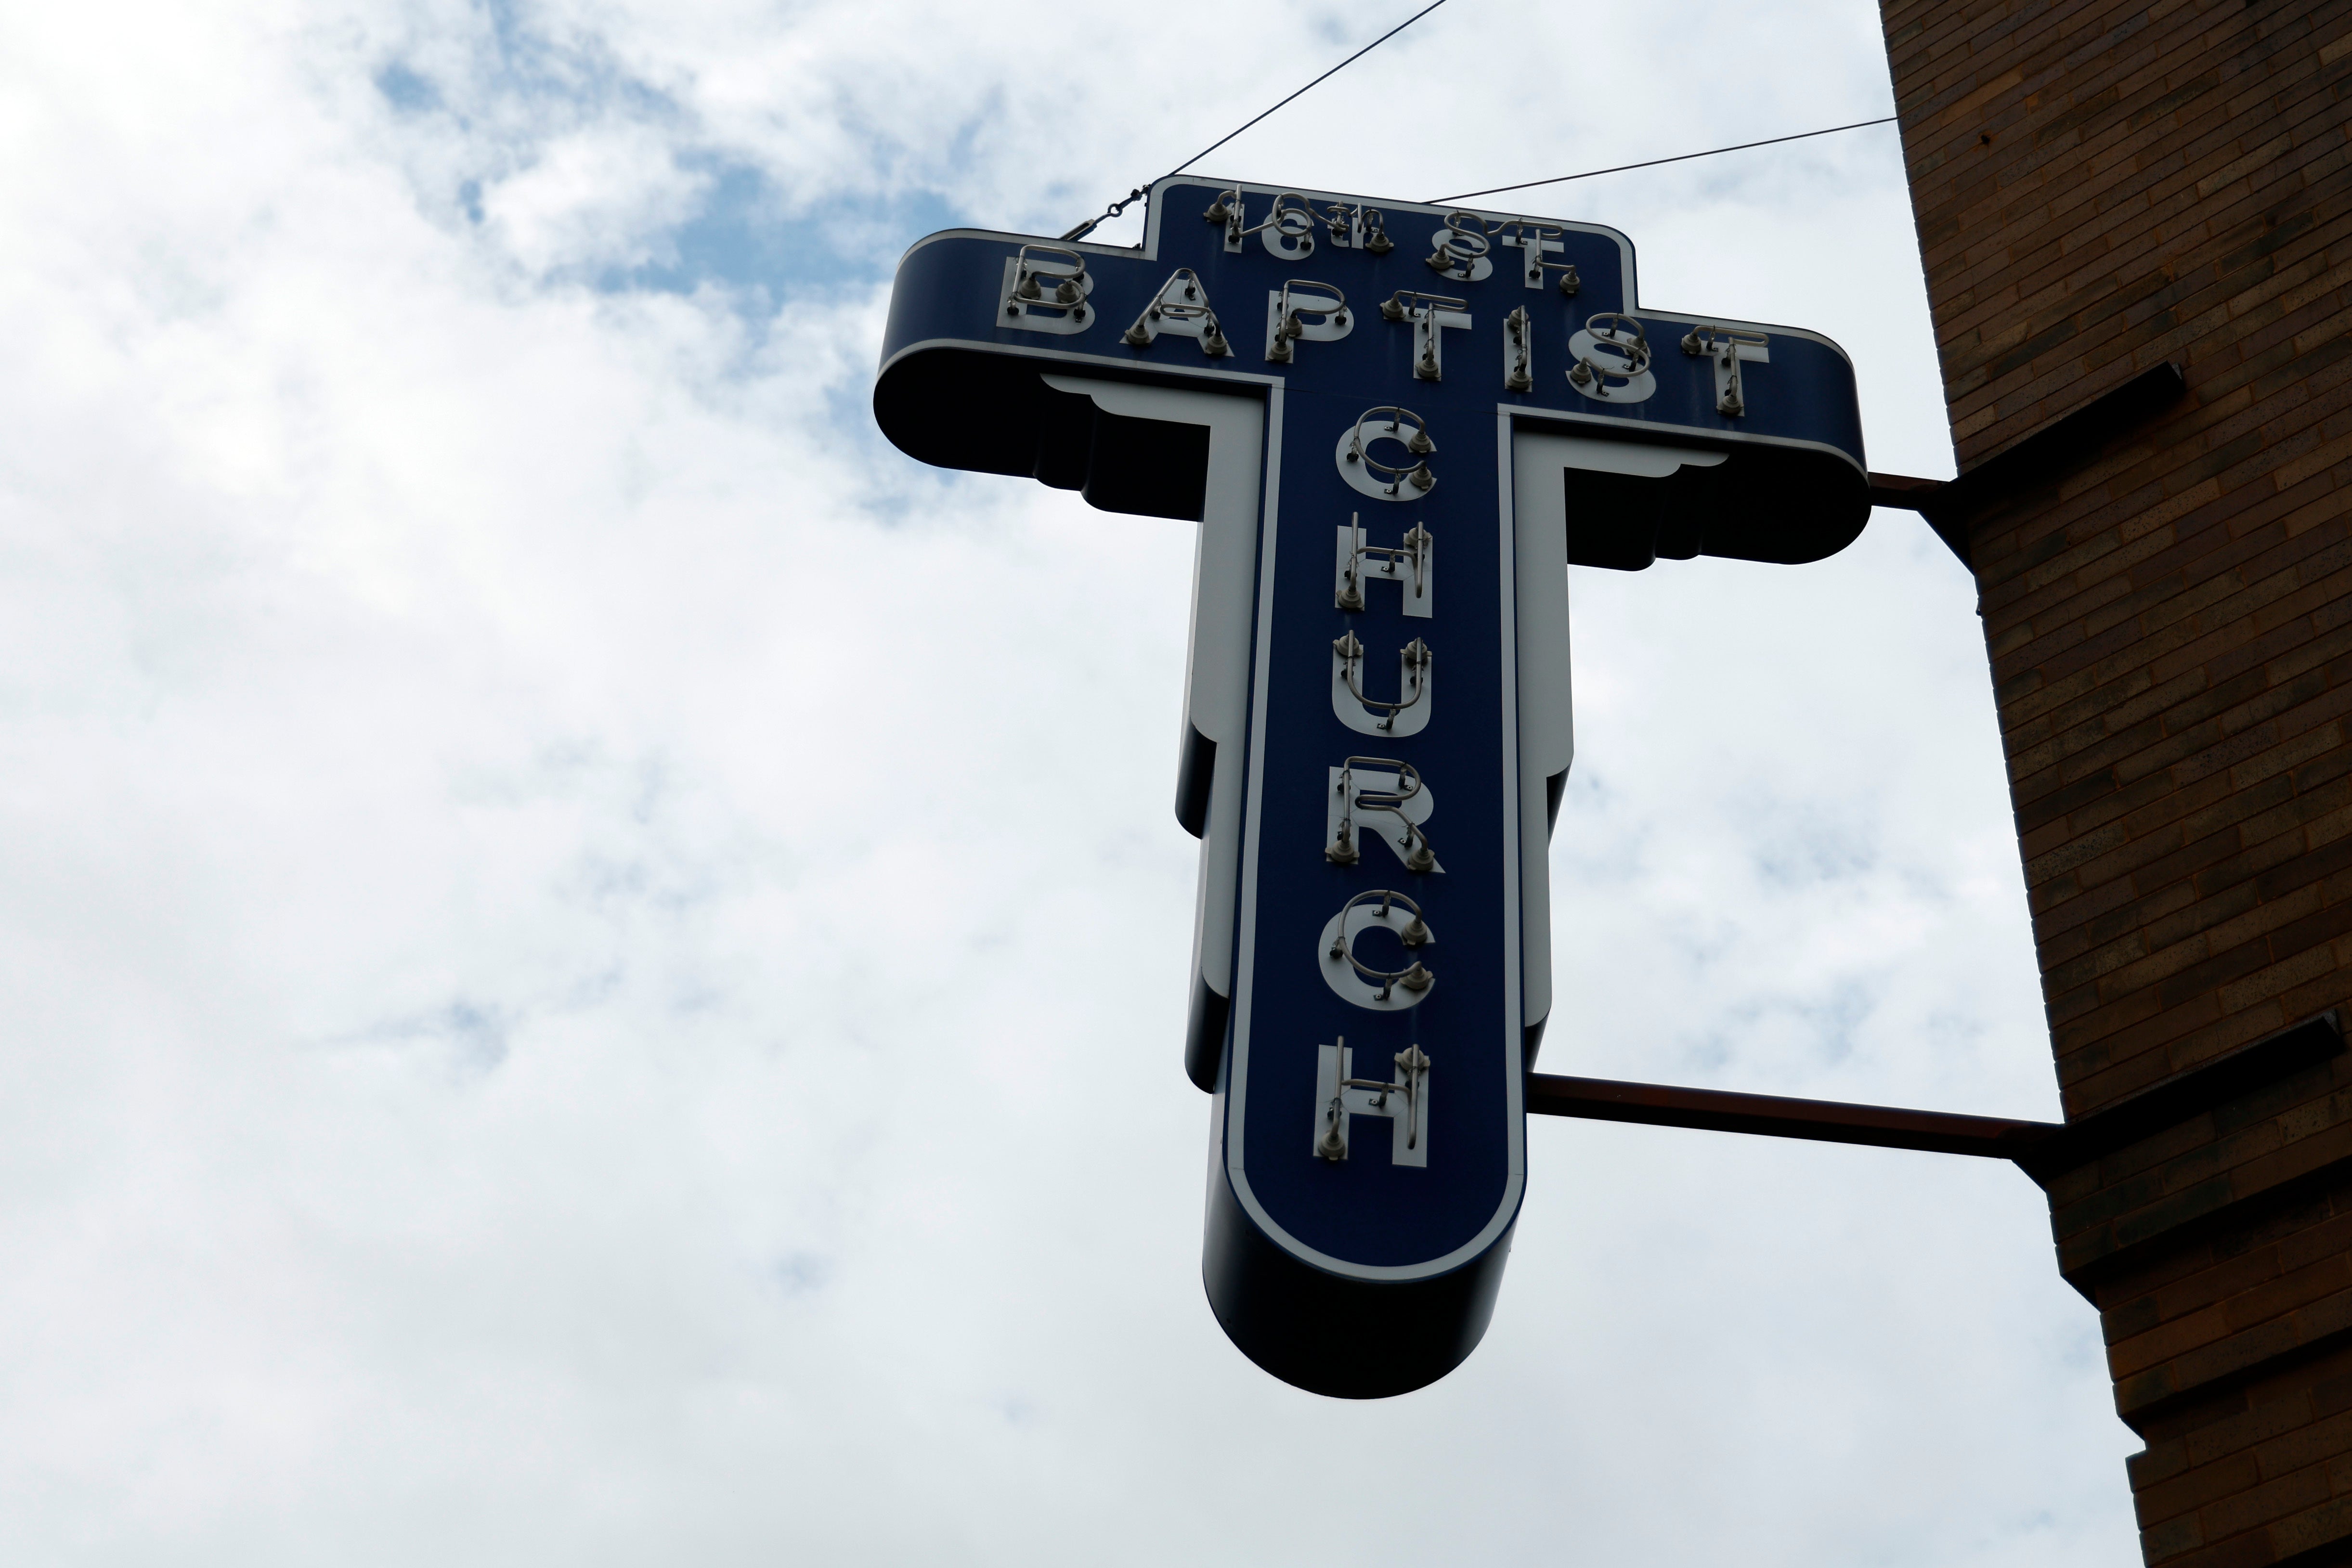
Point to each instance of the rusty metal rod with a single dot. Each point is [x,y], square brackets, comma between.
[1772,1115]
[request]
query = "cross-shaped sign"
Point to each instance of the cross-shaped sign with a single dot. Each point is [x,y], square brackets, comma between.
[1348,397]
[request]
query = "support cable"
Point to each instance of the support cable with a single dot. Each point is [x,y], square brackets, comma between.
[1137,194]
[1652,162]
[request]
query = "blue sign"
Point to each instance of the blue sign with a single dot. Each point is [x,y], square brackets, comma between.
[1396,426]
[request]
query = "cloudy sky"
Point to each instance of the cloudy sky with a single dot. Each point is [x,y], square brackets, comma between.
[596,960]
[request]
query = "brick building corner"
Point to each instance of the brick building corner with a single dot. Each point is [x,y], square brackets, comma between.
[2105,189]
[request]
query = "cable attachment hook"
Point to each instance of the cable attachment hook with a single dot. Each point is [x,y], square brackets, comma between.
[1108,213]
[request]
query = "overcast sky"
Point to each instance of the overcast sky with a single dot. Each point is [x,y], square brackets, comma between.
[595,961]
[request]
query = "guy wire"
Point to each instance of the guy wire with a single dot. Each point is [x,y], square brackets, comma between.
[1137,194]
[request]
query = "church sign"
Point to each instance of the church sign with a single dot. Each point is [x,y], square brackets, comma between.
[1396,425]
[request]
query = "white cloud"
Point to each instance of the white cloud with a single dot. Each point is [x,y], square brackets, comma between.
[596,959]
[596,200]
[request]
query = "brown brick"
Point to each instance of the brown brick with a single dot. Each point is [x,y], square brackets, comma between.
[2168,625]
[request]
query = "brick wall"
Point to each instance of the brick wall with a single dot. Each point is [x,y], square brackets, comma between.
[2101,187]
